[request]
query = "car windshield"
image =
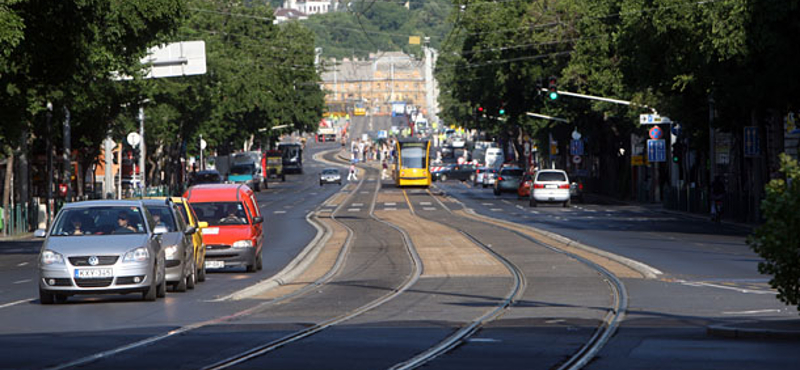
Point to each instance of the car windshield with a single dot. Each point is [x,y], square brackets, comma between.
[221,213]
[511,173]
[551,176]
[330,172]
[413,157]
[243,169]
[162,217]
[99,220]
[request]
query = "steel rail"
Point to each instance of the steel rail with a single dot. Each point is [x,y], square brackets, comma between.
[288,339]
[613,317]
[187,328]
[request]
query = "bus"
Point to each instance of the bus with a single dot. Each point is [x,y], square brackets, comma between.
[413,163]
[292,157]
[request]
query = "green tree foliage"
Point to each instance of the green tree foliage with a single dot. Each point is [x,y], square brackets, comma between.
[776,240]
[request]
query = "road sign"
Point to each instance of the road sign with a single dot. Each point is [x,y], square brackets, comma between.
[185,58]
[637,160]
[656,151]
[751,142]
[652,119]
[203,144]
[656,133]
[576,147]
[676,129]
[576,159]
[134,139]
[576,135]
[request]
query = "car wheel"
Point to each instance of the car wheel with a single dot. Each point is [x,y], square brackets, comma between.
[532,202]
[339,182]
[259,262]
[283,177]
[181,286]
[320,184]
[443,178]
[485,186]
[161,290]
[201,273]
[191,280]
[60,298]
[567,203]
[150,294]
[45,297]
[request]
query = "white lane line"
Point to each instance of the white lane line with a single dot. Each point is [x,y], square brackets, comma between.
[358,204]
[313,193]
[279,212]
[23,281]
[364,192]
[16,302]
[519,206]
[288,207]
[390,204]
[487,204]
[354,210]
[390,209]
[22,264]
[496,210]
[483,340]
[753,312]
[535,212]
[429,208]
[505,201]
[740,290]
[424,203]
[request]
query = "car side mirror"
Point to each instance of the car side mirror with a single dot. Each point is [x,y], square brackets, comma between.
[160,230]
[258,220]
[40,233]
[190,230]
[202,225]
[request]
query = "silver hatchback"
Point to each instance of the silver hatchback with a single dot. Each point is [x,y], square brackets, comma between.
[100,247]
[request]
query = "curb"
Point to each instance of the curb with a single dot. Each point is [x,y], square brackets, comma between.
[734,332]
[25,236]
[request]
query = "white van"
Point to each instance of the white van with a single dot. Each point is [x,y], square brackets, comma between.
[494,157]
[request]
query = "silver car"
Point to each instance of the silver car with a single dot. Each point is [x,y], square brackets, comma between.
[330,176]
[178,248]
[99,247]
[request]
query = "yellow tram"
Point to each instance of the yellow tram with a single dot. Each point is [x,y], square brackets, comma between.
[413,163]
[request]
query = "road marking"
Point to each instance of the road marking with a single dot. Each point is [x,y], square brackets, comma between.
[718,286]
[496,210]
[288,207]
[390,204]
[22,264]
[16,302]
[487,204]
[22,281]
[424,203]
[519,206]
[535,212]
[314,193]
[505,201]
[753,312]
[364,192]
[354,210]
[357,204]
[390,209]
[429,208]
[279,212]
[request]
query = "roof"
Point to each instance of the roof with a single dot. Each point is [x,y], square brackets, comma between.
[216,192]
[104,203]
[289,13]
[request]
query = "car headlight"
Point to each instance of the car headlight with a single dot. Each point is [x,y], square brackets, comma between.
[52,258]
[170,251]
[243,244]
[140,254]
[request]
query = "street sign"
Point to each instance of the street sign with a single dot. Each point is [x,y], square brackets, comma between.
[203,144]
[576,135]
[576,147]
[652,119]
[576,159]
[134,139]
[676,129]
[656,151]
[656,133]
[185,58]
[751,142]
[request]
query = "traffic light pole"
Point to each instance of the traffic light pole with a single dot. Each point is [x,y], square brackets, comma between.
[600,98]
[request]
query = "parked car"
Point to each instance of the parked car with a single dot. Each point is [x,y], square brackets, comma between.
[102,246]
[489,177]
[234,236]
[197,238]
[177,243]
[550,186]
[330,176]
[508,180]
[524,189]
[461,172]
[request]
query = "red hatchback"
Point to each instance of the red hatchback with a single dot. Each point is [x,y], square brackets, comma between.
[234,236]
[524,189]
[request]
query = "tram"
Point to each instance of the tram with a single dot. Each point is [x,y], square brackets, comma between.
[413,163]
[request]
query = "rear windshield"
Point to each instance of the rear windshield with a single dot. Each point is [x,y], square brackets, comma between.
[206,178]
[220,213]
[330,172]
[551,176]
[243,169]
[511,172]
[99,221]
[162,217]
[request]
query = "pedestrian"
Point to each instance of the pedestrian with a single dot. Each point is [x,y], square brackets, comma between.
[352,174]
[385,170]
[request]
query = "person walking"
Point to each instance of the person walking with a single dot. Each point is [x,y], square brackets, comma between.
[352,174]
[717,196]
[385,170]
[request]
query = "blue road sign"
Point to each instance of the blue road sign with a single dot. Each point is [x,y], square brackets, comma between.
[751,143]
[576,147]
[656,151]
[656,133]
[676,129]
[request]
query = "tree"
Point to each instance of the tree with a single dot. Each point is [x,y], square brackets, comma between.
[776,240]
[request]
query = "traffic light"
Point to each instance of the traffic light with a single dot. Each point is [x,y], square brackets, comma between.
[677,153]
[480,109]
[553,88]
[502,111]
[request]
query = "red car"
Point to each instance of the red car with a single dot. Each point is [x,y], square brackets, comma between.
[234,236]
[524,189]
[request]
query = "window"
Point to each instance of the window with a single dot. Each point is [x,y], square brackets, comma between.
[221,213]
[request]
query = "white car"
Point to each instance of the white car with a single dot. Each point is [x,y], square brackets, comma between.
[550,186]
[493,157]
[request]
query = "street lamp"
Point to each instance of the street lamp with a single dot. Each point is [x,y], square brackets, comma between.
[49,149]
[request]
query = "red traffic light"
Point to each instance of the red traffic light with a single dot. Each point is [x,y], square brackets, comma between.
[480,109]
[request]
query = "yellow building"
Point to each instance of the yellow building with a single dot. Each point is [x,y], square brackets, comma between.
[378,81]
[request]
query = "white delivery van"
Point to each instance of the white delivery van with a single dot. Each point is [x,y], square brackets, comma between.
[493,157]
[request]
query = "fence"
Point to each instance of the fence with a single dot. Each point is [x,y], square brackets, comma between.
[18,221]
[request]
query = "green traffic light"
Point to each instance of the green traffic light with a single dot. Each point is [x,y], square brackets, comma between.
[675,159]
[502,111]
[553,95]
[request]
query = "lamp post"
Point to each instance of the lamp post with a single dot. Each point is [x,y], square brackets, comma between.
[49,149]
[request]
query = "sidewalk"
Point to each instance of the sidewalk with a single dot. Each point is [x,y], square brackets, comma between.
[766,329]
[25,236]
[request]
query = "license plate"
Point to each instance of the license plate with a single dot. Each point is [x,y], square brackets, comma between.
[93,273]
[211,231]
[551,186]
[215,264]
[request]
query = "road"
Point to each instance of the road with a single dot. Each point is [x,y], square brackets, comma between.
[446,278]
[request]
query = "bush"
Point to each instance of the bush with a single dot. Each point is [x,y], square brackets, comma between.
[777,240]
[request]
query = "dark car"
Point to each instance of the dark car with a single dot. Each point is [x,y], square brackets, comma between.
[205,177]
[461,172]
[508,180]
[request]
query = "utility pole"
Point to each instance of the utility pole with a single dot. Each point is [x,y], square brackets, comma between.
[142,150]
[49,149]
[67,153]
[108,180]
